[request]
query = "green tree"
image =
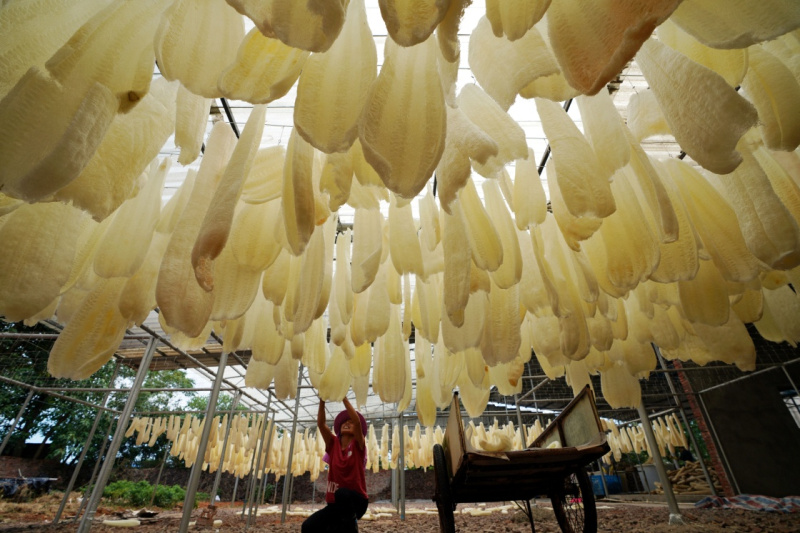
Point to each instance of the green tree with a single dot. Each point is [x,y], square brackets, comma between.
[64,424]
[25,360]
[131,454]
[224,403]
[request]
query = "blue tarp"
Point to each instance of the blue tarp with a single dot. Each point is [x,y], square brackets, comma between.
[753,502]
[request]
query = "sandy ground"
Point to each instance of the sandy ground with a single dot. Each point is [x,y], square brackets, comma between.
[612,517]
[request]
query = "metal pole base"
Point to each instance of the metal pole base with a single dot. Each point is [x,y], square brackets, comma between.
[658,463]
[676,520]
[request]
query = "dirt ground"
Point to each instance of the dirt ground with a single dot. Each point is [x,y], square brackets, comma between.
[612,517]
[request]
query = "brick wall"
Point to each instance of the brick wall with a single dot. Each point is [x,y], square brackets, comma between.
[24,467]
[697,413]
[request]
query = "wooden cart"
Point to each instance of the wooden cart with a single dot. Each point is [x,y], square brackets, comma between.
[464,474]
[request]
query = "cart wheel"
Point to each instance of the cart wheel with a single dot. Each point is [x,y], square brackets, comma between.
[443,496]
[573,504]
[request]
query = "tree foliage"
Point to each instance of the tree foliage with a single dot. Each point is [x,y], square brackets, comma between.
[224,404]
[65,425]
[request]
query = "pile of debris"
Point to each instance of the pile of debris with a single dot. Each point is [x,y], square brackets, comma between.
[689,479]
[22,488]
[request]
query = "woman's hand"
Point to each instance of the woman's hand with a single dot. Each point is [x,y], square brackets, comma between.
[358,434]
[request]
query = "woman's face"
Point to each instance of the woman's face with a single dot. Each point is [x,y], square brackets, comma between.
[346,428]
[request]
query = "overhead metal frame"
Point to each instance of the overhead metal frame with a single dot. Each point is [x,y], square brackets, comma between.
[527,397]
[516,407]
[533,381]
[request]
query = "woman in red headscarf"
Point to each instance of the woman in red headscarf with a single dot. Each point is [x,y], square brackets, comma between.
[346,454]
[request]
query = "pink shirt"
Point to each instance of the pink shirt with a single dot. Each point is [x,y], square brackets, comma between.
[347,469]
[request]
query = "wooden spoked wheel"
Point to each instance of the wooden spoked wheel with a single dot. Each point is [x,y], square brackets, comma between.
[443,494]
[574,505]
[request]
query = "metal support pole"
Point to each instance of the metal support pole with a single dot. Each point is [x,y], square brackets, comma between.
[789,376]
[395,489]
[267,464]
[719,445]
[7,335]
[547,150]
[13,425]
[197,467]
[286,478]
[646,484]
[686,422]
[519,421]
[248,489]
[229,113]
[291,489]
[119,434]
[235,489]
[158,478]
[50,392]
[251,490]
[747,376]
[603,478]
[259,501]
[533,389]
[249,486]
[254,481]
[675,517]
[401,465]
[95,470]
[86,447]
[234,405]
[256,461]
[260,496]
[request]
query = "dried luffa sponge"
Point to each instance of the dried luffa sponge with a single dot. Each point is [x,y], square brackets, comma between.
[402,129]
[25,44]
[411,22]
[503,67]
[312,26]
[334,85]
[706,115]
[264,70]
[184,304]
[40,241]
[514,19]
[593,42]
[196,41]
[736,23]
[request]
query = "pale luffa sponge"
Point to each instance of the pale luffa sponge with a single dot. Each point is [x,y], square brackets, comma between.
[312,26]
[705,114]
[196,41]
[334,85]
[264,70]
[403,126]
[593,42]
[411,22]
[736,23]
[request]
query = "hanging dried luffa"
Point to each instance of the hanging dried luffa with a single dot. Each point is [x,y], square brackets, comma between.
[631,251]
